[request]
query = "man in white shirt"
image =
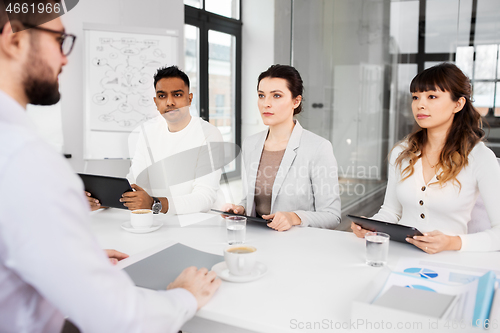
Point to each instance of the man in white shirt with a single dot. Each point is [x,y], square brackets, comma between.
[50,263]
[173,169]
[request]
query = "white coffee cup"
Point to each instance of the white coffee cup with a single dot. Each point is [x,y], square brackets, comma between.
[141,218]
[240,259]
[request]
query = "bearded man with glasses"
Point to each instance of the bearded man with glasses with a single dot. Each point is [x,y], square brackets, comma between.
[50,263]
[41,76]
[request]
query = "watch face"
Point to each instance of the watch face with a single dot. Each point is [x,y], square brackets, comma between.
[156,207]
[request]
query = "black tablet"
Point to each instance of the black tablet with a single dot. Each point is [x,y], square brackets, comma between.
[249,218]
[108,190]
[398,232]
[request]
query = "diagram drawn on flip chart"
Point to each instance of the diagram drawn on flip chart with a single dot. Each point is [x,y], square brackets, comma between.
[120,64]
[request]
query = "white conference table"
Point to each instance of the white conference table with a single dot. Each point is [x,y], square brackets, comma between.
[313,274]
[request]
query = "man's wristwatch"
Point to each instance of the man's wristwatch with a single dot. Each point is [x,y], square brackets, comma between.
[156,205]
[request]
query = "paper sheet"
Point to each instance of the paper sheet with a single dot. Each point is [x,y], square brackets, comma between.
[442,272]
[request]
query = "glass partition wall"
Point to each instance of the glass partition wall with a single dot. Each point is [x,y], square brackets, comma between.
[357,59]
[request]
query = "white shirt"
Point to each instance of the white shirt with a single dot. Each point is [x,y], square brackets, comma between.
[429,207]
[50,263]
[178,165]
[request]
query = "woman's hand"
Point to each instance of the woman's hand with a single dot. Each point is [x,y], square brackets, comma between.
[358,231]
[115,256]
[435,241]
[282,221]
[230,208]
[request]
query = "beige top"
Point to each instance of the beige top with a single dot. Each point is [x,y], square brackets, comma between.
[308,166]
[268,168]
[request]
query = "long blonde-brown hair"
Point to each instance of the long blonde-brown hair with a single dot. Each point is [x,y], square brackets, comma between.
[465,131]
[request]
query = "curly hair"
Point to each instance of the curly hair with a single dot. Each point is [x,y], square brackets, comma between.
[465,132]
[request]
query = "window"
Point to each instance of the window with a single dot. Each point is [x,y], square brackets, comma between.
[220,107]
[213,63]
[227,8]
[191,64]
[485,80]
[459,32]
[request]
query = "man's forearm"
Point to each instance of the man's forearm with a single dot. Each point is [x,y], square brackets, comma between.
[164,205]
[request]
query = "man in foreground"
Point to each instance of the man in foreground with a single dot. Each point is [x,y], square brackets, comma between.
[50,263]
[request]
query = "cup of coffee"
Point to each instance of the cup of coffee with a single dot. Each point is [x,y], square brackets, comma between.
[240,259]
[141,218]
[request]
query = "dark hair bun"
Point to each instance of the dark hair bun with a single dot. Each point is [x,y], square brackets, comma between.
[292,77]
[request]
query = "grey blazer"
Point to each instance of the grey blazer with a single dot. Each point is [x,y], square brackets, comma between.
[306,182]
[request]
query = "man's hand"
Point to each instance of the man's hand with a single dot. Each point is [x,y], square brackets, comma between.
[115,256]
[139,199]
[93,202]
[435,241]
[282,221]
[199,282]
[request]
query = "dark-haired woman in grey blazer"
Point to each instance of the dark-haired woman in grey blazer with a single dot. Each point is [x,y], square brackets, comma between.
[289,174]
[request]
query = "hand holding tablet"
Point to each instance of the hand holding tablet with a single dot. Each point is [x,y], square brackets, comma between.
[398,232]
[249,218]
[108,190]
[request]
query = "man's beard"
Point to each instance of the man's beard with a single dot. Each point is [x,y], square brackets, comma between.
[38,85]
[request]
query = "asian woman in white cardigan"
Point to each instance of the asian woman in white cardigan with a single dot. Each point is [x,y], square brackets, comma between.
[437,172]
[289,174]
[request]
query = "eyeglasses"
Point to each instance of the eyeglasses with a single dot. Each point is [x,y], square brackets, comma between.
[67,41]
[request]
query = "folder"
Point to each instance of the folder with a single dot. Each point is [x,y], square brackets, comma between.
[484,298]
[158,270]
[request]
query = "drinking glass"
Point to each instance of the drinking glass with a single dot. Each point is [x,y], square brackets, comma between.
[377,248]
[236,229]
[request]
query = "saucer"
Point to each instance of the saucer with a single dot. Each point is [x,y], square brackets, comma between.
[223,272]
[128,227]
